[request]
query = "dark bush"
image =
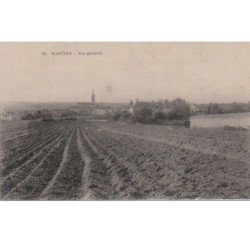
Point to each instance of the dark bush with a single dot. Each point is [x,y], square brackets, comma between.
[40,114]
[180,110]
[123,116]
[116,116]
[144,115]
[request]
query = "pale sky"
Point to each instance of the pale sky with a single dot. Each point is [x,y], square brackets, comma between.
[198,72]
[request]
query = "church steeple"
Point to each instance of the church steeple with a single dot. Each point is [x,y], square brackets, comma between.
[93,97]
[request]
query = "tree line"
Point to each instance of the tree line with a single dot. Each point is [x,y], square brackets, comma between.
[222,108]
[156,111]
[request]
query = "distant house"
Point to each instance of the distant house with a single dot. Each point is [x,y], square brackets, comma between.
[83,108]
[96,108]
[164,109]
[156,107]
[101,111]
[6,117]
[194,109]
[75,110]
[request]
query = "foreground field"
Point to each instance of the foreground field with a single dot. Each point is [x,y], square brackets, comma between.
[74,160]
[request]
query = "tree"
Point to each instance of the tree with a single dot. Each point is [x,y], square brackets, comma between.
[236,108]
[166,102]
[180,109]
[145,114]
[214,108]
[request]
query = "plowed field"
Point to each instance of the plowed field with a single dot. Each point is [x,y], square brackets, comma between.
[75,160]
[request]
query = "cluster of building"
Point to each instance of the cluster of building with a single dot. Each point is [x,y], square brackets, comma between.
[102,109]
[93,108]
[159,109]
[6,117]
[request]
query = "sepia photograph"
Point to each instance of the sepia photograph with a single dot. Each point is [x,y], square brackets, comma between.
[124,121]
[124,124]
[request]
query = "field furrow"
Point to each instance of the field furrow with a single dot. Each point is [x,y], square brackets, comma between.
[124,185]
[142,180]
[32,186]
[175,172]
[27,153]
[96,176]
[68,179]
[23,151]
[90,160]
[22,171]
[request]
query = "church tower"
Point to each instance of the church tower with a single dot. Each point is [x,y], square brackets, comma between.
[93,97]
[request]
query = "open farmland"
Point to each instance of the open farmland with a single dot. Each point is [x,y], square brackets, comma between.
[76,160]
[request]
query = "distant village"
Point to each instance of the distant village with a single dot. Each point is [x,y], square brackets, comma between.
[102,109]
[164,107]
[158,109]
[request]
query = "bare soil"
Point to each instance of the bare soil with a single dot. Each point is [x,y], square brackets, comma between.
[76,160]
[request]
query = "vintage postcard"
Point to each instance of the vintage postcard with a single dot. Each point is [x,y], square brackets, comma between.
[124,121]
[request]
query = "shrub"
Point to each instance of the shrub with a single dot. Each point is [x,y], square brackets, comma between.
[116,116]
[123,116]
[180,109]
[68,113]
[144,115]
[160,116]
[40,114]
